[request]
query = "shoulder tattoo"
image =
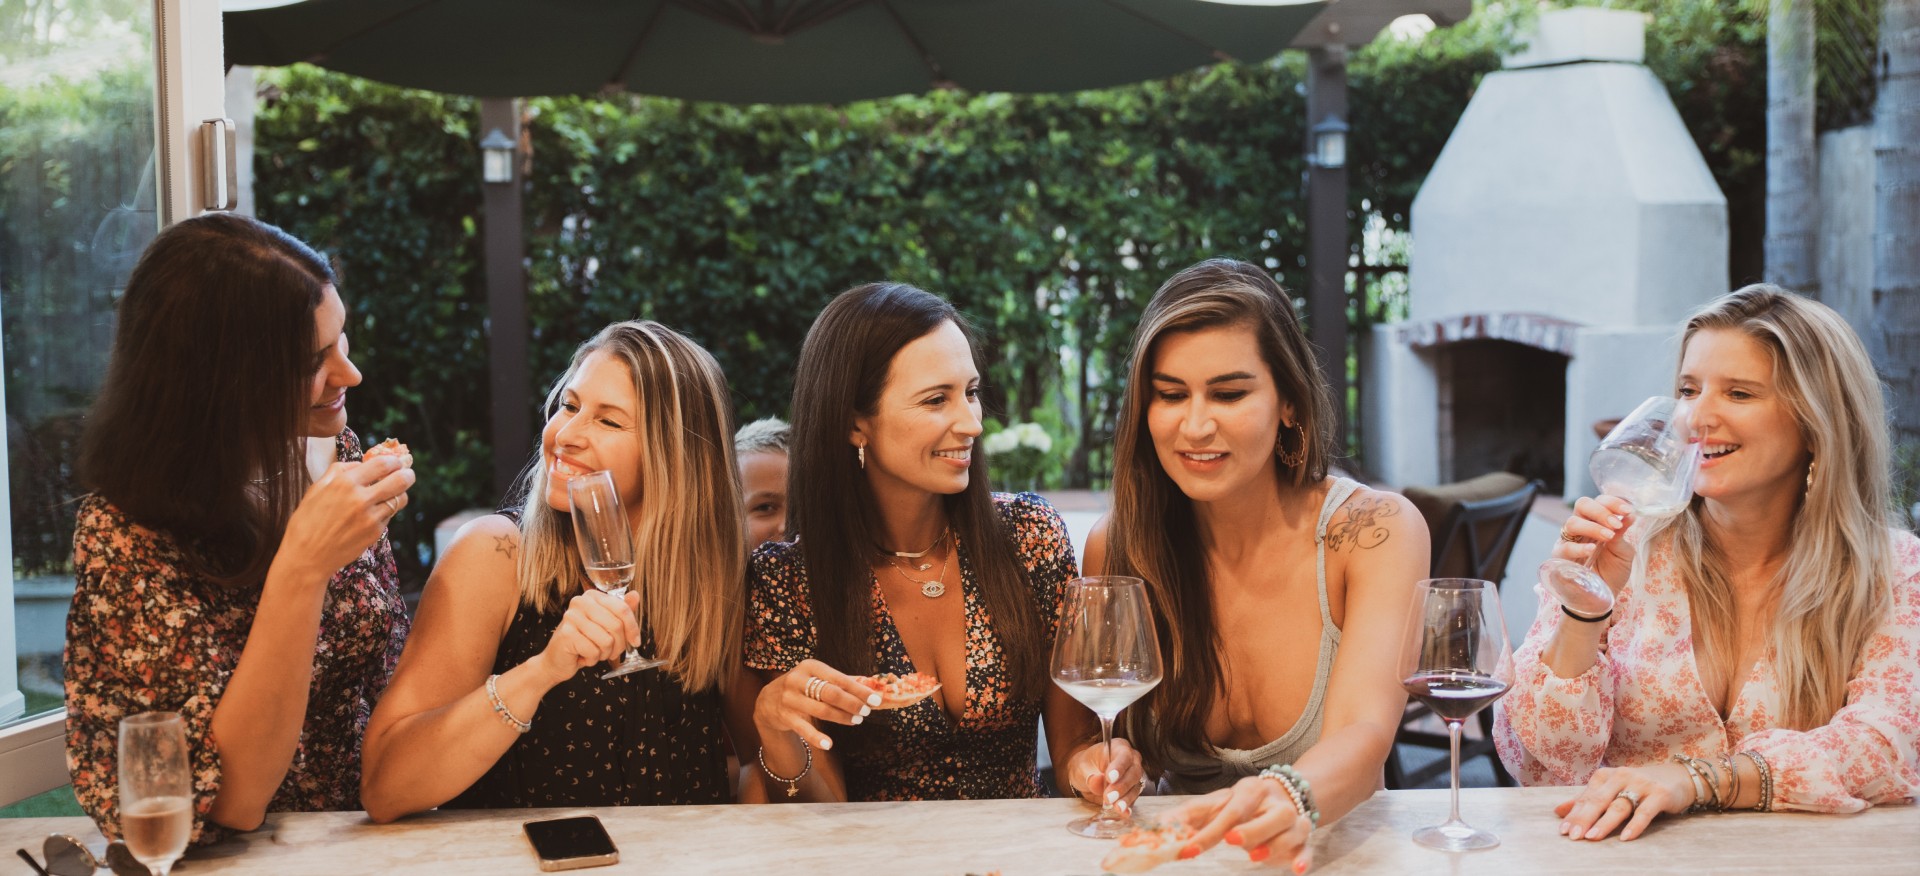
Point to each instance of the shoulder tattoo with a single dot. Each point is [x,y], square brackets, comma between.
[1362,527]
[506,545]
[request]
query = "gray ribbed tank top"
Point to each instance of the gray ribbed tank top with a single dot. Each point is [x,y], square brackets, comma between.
[1194,772]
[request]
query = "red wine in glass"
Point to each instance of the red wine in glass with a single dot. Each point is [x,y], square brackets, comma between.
[1454,697]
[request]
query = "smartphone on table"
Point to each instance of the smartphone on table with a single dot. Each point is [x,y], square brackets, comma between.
[571,843]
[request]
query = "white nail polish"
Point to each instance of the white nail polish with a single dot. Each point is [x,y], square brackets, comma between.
[1113,775]
[873,700]
[865,711]
[825,743]
[858,718]
[1112,796]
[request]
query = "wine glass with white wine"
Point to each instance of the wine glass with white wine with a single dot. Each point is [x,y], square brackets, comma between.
[1106,655]
[606,547]
[1648,459]
[156,790]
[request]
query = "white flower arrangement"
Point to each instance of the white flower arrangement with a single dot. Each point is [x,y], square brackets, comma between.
[1019,452]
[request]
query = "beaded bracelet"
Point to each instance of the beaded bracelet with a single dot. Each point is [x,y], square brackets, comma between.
[793,784]
[1297,787]
[1766,780]
[493,696]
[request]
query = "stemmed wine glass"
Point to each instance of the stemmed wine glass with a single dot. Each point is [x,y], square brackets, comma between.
[1106,655]
[606,547]
[1455,660]
[1649,459]
[156,791]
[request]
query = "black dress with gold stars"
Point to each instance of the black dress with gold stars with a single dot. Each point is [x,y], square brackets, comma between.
[637,740]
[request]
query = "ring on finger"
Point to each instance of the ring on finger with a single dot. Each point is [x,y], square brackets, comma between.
[393,504]
[814,685]
[1627,794]
[1570,538]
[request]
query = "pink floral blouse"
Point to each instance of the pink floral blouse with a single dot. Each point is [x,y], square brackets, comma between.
[1643,702]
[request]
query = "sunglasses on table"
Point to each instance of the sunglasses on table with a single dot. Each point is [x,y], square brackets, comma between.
[67,856]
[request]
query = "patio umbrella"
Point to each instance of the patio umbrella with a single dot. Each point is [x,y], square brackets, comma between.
[760,51]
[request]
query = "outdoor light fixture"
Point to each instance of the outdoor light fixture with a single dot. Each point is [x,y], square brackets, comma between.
[496,156]
[1329,144]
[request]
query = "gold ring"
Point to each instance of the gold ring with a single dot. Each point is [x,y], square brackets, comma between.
[1570,538]
[1633,800]
[392,505]
[814,685]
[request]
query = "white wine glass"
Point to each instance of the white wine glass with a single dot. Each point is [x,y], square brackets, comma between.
[156,790]
[1649,459]
[606,548]
[1454,659]
[1106,655]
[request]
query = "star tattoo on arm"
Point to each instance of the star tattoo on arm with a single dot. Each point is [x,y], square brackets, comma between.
[506,544]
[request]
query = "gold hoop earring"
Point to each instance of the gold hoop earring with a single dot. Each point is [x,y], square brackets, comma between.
[861,452]
[1296,458]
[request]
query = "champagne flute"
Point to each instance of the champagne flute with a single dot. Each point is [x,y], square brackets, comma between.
[1649,459]
[1454,659]
[1106,655]
[606,547]
[156,791]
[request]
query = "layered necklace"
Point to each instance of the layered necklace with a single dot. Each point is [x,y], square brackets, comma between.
[931,588]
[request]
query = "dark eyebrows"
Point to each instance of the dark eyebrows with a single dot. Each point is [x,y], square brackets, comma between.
[1229,377]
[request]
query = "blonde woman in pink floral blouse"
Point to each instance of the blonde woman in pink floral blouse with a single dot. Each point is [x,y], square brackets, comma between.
[214,576]
[1763,649]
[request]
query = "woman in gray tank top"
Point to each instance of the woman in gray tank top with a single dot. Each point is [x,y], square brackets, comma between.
[1281,591]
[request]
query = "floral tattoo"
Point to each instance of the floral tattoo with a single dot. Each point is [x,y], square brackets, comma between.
[1362,528]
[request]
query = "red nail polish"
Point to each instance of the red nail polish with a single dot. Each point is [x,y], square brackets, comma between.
[1189,852]
[1299,865]
[1259,853]
[1233,837]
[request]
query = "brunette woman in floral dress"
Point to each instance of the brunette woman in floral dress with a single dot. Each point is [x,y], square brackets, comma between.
[1762,647]
[903,562]
[227,567]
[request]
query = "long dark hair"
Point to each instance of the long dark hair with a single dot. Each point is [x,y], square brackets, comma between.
[843,367]
[196,431]
[1152,533]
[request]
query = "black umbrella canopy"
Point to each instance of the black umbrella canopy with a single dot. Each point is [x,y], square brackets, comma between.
[760,51]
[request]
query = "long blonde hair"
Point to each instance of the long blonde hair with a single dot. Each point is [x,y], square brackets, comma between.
[1152,533]
[689,533]
[1836,585]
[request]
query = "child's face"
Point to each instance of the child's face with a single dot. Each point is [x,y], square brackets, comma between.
[763,478]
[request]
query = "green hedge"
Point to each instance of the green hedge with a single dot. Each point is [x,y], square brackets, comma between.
[1049,219]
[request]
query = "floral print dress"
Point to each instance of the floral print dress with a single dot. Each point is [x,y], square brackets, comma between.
[920,753]
[1643,702]
[145,634]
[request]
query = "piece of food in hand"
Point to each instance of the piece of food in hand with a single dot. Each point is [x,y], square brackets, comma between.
[1147,846]
[389,447]
[901,691]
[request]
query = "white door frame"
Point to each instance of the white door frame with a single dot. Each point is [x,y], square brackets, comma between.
[189,85]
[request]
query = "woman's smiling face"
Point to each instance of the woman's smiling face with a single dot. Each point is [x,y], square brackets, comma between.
[1751,444]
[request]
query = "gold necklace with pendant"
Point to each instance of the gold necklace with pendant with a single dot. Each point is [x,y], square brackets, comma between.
[931,588]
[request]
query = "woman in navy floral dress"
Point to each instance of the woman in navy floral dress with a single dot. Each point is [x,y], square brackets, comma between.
[226,568]
[903,562]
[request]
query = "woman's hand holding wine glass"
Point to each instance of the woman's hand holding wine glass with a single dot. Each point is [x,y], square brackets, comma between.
[1645,468]
[605,540]
[1106,655]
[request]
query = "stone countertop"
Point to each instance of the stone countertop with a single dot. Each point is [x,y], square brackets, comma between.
[1028,837]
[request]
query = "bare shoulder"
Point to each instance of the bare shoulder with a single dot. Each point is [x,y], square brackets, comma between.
[1094,559]
[480,564]
[1374,519]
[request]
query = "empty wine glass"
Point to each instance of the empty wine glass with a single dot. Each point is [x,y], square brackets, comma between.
[1454,659]
[156,791]
[1649,459]
[606,547]
[1106,655]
